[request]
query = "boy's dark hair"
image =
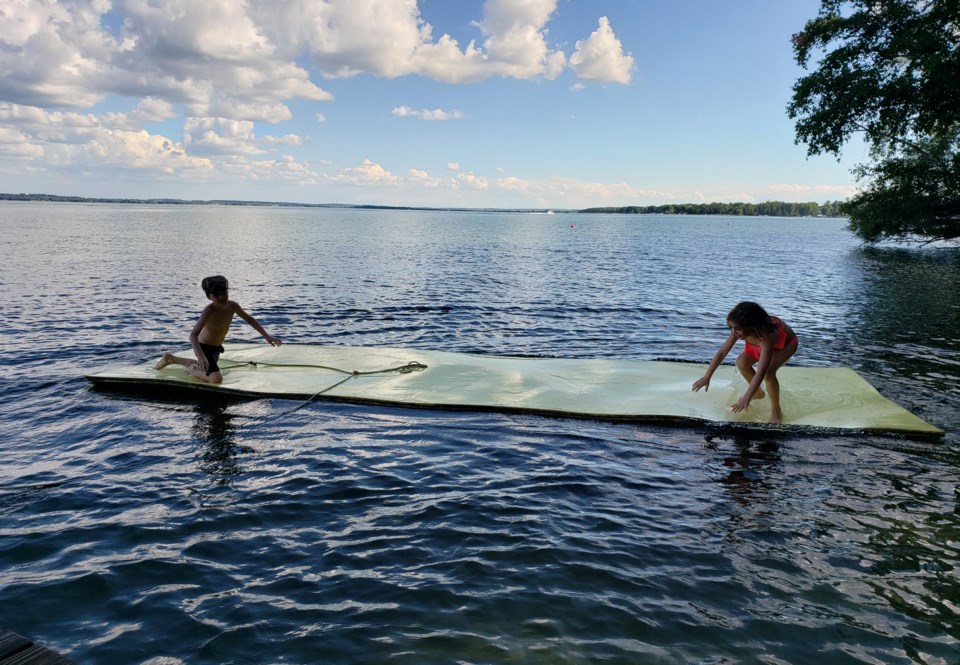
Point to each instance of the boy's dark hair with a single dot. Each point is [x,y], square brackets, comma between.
[215,284]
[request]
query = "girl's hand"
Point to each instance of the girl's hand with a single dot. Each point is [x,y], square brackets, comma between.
[702,382]
[740,405]
[272,341]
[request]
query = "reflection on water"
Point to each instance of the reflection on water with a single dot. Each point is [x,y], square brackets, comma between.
[213,428]
[906,318]
[141,530]
[748,462]
[908,296]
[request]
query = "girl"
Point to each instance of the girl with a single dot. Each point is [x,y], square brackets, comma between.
[769,342]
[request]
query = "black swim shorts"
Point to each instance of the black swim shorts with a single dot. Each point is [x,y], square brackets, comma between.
[213,355]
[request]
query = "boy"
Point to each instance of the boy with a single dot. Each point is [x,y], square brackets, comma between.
[208,335]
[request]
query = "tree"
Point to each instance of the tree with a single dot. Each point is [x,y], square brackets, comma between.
[889,69]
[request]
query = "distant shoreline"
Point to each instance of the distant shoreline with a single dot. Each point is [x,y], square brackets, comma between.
[765,209]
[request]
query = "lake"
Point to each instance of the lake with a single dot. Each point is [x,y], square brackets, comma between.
[168,532]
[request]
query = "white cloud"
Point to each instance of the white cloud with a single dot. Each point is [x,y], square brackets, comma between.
[151,109]
[225,107]
[453,166]
[426,114]
[239,60]
[208,54]
[148,111]
[224,66]
[600,57]
[52,121]
[285,169]
[422,179]
[140,149]
[516,38]
[72,140]
[366,173]
[840,190]
[577,194]
[557,192]
[472,181]
[724,197]
[389,38]
[16,145]
[52,53]
[286,139]
[220,136]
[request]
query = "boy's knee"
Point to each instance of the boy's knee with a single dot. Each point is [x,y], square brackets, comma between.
[215,377]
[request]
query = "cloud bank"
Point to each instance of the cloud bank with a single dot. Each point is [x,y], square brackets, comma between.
[201,76]
[243,60]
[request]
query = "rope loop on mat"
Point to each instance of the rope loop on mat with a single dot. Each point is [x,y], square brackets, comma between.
[412,366]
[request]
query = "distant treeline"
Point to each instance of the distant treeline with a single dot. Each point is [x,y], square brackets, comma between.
[767,209]
[53,198]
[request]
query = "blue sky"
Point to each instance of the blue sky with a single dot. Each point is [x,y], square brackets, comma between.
[495,103]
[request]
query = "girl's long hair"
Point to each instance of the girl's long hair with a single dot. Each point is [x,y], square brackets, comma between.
[753,319]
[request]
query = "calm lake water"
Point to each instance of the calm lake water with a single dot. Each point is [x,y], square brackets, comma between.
[140,530]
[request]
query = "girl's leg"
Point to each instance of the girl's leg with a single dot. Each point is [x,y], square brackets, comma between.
[773,383]
[773,389]
[745,365]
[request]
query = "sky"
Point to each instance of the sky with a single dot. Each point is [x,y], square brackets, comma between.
[561,104]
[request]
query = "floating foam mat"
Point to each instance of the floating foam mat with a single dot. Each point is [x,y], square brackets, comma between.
[821,397]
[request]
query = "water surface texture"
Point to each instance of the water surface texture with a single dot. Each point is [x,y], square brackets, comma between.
[168,532]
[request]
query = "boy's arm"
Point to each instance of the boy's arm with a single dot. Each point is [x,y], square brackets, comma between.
[704,381]
[195,339]
[238,310]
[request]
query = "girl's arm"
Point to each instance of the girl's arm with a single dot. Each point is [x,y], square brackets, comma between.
[704,381]
[238,310]
[766,355]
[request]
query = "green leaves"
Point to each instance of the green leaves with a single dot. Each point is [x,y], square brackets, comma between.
[916,194]
[889,69]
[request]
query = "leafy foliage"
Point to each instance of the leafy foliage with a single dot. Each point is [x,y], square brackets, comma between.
[914,195]
[889,69]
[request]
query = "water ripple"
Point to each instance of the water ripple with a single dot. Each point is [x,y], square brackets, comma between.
[169,532]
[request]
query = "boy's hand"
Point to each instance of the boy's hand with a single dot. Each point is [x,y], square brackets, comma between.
[702,382]
[202,364]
